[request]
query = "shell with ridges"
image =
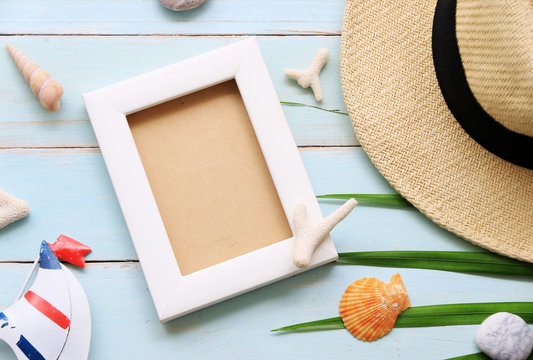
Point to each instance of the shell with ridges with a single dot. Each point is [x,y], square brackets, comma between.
[369,307]
[45,88]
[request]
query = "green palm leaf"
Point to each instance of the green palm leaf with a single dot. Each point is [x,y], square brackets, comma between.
[432,315]
[458,261]
[371,199]
[288,103]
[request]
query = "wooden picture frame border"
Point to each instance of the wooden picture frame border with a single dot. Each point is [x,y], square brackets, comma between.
[173,294]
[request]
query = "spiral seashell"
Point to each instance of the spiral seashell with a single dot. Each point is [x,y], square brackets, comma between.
[369,307]
[43,86]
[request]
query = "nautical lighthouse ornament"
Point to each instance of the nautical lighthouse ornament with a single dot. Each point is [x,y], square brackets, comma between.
[52,321]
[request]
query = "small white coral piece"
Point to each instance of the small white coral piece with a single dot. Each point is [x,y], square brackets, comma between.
[505,336]
[308,235]
[309,77]
[181,5]
[11,209]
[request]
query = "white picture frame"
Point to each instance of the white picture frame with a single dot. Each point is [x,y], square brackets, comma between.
[173,294]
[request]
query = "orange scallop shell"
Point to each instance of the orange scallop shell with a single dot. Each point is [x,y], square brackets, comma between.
[369,307]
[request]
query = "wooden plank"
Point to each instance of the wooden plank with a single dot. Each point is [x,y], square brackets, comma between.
[69,192]
[125,325]
[149,17]
[82,64]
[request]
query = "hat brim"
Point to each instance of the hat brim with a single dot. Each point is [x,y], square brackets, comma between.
[403,123]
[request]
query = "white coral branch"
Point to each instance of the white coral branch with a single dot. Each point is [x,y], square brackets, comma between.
[308,235]
[11,209]
[310,76]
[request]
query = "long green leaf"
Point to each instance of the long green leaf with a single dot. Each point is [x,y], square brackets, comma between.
[371,199]
[432,315]
[476,356]
[458,261]
[325,324]
[479,356]
[461,314]
[288,103]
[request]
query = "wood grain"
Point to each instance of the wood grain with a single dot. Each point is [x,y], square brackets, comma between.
[69,192]
[52,161]
[149,17]
[82,64]
[125,324]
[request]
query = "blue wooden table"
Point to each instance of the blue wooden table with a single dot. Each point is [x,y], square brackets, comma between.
[52,161]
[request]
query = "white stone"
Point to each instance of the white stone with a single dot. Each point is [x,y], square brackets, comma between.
[309,77]
[505,336]
[11,209]
[308,235]
[181,5]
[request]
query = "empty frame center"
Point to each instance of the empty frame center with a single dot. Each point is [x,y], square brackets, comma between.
[209,177]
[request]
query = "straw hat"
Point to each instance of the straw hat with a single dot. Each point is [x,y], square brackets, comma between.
[440,93]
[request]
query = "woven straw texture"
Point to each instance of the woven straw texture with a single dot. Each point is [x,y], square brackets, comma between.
[404,125]
[496,44]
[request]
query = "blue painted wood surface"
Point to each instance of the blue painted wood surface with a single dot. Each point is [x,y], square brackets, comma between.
[52,161]
[148,17]
[89,63]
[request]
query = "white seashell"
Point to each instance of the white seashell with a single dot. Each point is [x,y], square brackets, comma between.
[505,336]
[181,5]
